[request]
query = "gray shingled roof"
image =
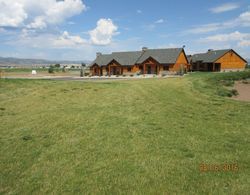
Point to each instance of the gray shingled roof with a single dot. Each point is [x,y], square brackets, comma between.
[210,56]
[189,57]
[163,56]
[102,59]
[127,58]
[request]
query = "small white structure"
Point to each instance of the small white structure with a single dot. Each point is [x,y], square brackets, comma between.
[33,72]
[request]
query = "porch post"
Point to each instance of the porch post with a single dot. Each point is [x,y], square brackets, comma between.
[213,67]
[144,68]
[109,70]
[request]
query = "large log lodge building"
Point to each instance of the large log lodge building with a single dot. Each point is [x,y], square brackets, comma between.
[172,60]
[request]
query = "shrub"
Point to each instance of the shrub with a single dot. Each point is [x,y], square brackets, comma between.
[227,93]
[224,93]
[246,81]
[234,92]
[138,73]
[51,69]
[228,83]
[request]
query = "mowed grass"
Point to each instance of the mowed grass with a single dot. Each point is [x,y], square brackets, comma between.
[121,137]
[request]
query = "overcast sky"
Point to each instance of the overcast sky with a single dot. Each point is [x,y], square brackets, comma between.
[76,30]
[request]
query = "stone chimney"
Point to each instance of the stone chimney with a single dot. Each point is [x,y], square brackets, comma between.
[144,48]
[98,54]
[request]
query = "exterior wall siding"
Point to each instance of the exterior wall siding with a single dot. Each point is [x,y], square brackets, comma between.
[127,70]
[181,60]
[135,68]
[231,61]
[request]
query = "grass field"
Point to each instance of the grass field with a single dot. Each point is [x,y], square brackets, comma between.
[123,137]
[26,72]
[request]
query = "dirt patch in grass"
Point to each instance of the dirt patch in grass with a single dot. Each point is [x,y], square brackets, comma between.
[243,89]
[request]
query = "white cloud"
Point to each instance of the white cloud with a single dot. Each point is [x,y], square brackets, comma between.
[103,33]
[153,25]
[228,37]
[31,39]
[149,27]
[38,14]
[170,45]
[205,28]
[12,14]
[71,23]
[66,40]
[244,43]
[159,21]
[62,10]
[38,23]
[243,20]
[138,11]
[241,39]
[224,7]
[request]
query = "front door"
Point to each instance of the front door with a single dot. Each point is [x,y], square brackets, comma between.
[217,67]
[95,71]
[149,69]
[114,71]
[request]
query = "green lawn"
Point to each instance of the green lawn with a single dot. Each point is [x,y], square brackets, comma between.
[26,72]
[122,137]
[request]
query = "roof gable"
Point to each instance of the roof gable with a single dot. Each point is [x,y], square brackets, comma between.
[163,56]
[235,54]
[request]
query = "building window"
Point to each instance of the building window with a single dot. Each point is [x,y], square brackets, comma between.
[129,69]
[165,67]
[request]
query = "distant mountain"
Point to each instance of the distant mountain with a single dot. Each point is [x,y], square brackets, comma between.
[35,62]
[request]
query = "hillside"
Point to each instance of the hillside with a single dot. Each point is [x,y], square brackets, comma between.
[29,62]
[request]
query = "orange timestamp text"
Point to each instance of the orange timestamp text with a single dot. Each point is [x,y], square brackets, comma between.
[225,167]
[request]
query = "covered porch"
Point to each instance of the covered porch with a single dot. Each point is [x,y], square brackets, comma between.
[114,68]
[206,67]
[150,66]
[95,70]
